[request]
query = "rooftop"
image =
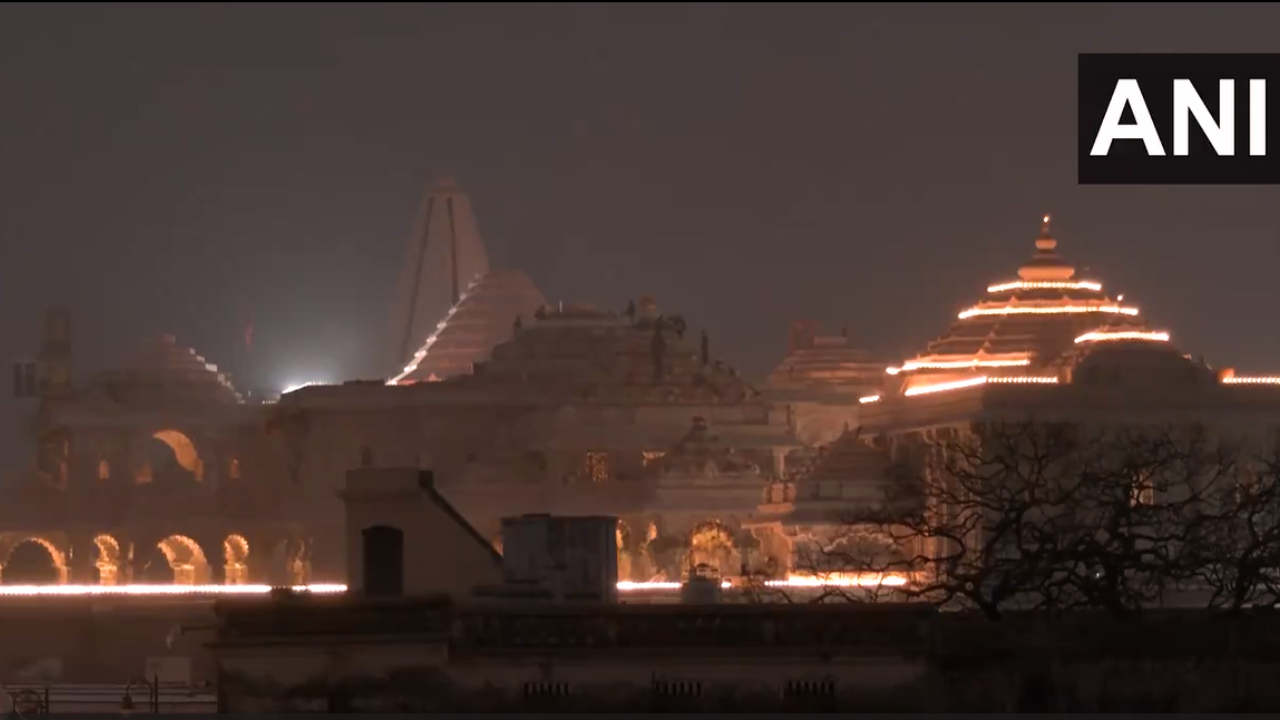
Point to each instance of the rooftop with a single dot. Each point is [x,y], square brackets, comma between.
[1036,326]
[816,361]
[161,368]
[485,315]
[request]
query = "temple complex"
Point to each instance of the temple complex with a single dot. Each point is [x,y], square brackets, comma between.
[162,470]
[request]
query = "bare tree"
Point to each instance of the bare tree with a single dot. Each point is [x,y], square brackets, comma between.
[1047,517]
[1235,558]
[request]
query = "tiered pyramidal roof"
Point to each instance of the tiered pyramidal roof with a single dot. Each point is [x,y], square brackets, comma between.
[1028,329]
[161,369]
[816,361]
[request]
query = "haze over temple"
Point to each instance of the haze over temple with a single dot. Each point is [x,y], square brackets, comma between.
[521,406]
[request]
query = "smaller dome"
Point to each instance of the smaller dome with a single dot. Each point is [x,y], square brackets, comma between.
[161,369]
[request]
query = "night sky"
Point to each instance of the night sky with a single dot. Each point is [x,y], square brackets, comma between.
[187,168]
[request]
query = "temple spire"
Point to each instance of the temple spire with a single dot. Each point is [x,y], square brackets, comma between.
[1045,242]
[1046,265]
[444,256]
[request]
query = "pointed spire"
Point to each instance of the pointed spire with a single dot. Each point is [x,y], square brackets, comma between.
[444,255]
[1046,265]
[1045,242]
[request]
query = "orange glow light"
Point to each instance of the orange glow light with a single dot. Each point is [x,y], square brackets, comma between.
[963,364]
[943,387]
[1123,335]
[1044,285]
[1025,380]
[981,380]
[1049,310]
[840,580]
[110,590]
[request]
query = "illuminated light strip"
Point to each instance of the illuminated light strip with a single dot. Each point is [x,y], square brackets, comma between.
[962,364]
[1026,380]
[431,339]
[627,586]
[1060,310]
[943,387]
[108,590]
[840,580]
[982,380]
[869,399]
[834,580]
[1251,381]
[1103,335]
[1045,285]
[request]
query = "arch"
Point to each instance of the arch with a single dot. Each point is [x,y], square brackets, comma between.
[104,470]
[236,549]
[184,557]
[184,451]
[233,469]
[711,543]
[383,560]
[107,559]
[34,561]
[622,533]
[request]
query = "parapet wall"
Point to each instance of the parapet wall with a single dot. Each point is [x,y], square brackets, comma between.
[81,640]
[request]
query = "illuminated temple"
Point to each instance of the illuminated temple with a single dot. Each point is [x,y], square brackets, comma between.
[519,405]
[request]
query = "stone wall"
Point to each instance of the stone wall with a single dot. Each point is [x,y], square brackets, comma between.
[78,640]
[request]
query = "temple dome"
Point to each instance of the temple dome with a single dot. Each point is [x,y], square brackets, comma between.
[161,369]
[1037,325]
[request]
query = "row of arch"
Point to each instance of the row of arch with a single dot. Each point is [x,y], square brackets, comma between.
[176,559]
[173,450]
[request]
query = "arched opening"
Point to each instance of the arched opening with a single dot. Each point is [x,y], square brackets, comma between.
[711,544]
[236,549]
[34,561]
[169,456]
[106,559]
[52,455]
[104,470]
[288,563]
[176,559]
[233,469]
[623,536]
[383,555]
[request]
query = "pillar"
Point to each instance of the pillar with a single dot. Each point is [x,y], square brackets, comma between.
[81,569]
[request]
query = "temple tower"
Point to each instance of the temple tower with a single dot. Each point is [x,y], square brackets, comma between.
[444,255]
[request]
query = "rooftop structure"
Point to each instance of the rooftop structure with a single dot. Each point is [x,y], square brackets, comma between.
[1026,331]
[161,368]
[828,362]
[819,382]
[444,256]
[486,315]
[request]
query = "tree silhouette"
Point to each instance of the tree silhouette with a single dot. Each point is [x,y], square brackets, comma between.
[1048,518]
